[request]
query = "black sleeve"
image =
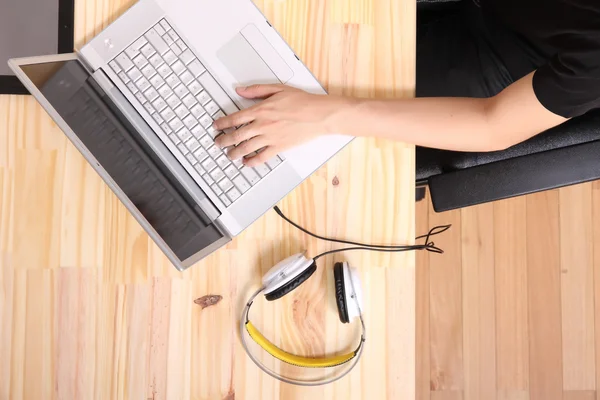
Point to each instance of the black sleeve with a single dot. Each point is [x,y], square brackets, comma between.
[569,84]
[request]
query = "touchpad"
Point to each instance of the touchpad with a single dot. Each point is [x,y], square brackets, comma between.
[251,59]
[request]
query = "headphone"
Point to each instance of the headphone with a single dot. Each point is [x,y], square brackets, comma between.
[282,279]
[289,274]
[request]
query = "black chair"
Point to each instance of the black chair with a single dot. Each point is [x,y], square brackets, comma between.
[565,155]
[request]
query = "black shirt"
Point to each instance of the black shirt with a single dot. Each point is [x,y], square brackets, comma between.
[566,33]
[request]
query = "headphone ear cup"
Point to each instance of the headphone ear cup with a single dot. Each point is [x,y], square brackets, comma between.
[293,284]
[340,292]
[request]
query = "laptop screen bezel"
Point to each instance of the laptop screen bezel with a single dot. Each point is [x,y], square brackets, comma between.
[15,65]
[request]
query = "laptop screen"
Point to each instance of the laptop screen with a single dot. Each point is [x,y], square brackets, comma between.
[125,156]
[27,28]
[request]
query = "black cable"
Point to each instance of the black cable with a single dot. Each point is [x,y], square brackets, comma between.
[429,246]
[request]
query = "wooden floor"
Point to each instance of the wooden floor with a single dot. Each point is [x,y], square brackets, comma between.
[509,311]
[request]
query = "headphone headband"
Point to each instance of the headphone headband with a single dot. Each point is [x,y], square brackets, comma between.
[292,359]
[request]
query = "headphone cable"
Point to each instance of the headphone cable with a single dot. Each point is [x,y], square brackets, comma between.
[429,246]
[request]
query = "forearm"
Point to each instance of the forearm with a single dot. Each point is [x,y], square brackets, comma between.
[445,123]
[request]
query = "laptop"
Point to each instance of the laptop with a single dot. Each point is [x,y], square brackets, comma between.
[138,102]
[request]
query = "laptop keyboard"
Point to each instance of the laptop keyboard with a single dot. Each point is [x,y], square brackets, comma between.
[174,87]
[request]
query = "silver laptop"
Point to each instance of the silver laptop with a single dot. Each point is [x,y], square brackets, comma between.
[138,101]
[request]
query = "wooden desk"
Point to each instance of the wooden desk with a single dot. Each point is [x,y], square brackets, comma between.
[90,308]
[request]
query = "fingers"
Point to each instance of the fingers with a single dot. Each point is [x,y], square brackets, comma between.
[236,137]
[260,91]
[235,119]
[261,158]
[245,148]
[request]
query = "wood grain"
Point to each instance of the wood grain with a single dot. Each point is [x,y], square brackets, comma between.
[90,308]
[512,350]
[445,326]
[479,308]
[577,286]
[544,295]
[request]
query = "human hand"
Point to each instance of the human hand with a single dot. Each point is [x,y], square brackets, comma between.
[286,118]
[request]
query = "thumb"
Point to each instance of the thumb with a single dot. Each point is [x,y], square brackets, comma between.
[259,91]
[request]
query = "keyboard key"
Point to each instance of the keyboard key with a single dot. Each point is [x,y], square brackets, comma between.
[196,68]
[149,108]
[159,104]
[156,41]
[225,200]
[143,84]
[217,93]
[186,78]
[198,131]
[165,127]
[181,45]
[223,161]
[189,101]
[214,151]
[194,87]
[176,124]
[233,194]
[196,110]
[206,121]
[158,118]
[172,80]
[176,49]
[241,183]
[148,50]
[140,61]
[115,67]
[181,91]
[134,74]
[134,49]
[123,77]
[208,164]
[148,71]
[272,163]
[159,29]
[165,91]
[156,81]
[167,114]
[190,121]
[220,114]
[131,87]
[184,135]
[175,139]
[215,188]
[178,67]
[200,154]
[192,144]
[250,175]
[156,60]
[208,179]
[170,57]
[181,111]
[190,157]
[217,174]
[211,107]
[262,170]
[225,184]
[187,56]
[199,168]
[165,25]
[182,148]
[206,141]
[140,97]
[124,62]
[173,101]
[151,94]
[168,40]
[231,171]
[238,164]
[203,97]
[173,35]
[164,70]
